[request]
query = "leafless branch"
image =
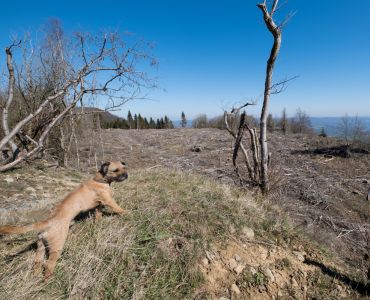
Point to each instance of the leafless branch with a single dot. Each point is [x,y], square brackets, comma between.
[83,49]
[287,19]
[273,8]
[238,109]
[281,86]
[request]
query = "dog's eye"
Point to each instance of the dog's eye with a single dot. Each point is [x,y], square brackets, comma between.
[116,170]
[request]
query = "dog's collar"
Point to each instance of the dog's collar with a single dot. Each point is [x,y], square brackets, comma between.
[101,180]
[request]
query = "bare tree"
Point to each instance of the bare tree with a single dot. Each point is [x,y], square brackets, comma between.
[345,128]
[270,123]
[301,122]
[200,121]
[101,67]
[276,32]
[284,122]
[258,162]
[351,129]
[359,130]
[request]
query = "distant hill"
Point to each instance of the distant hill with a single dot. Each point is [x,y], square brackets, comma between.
[106,116]
[331,124]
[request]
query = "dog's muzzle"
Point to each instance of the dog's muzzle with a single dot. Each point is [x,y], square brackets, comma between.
[122,177]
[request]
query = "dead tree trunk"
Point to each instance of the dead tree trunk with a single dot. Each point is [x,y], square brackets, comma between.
[253,171]
[5,114]
[276,32]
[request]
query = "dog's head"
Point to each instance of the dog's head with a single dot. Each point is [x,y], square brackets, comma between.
[114,171]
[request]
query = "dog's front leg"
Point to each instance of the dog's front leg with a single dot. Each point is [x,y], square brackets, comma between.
[98,215]
[40,253]
[109,201]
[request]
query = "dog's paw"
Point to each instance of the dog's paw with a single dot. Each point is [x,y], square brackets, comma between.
[124,213]
[37,268]
[98,215]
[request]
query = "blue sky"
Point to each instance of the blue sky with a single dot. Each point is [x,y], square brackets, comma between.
[212,54]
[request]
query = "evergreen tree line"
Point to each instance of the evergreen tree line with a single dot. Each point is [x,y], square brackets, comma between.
[138,122]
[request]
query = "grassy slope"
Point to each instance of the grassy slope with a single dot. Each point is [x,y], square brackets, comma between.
[156,252]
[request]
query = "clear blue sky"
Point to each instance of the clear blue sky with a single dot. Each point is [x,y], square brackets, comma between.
[213,53]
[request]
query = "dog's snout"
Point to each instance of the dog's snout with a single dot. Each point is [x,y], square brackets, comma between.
[122,177]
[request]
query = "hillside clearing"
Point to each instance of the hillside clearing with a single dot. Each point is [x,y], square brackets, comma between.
[186,236]
[324,195]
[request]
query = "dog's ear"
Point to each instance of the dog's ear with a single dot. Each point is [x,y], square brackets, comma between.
[104,169]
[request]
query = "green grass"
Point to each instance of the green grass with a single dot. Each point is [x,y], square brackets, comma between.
[155,251]
[150,254]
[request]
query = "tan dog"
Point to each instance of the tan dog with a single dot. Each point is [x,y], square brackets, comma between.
[87,196]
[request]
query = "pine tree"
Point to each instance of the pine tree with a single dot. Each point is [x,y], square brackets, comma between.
[129,120]
[151,123]
[146,123]
[322,132]
[124,124]
[140,123]
[166,122]
[135,122]
[183,120]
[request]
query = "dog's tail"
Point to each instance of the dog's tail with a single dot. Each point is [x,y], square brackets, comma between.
[23,229]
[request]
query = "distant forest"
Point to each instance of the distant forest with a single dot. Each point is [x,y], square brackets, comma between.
[136,121]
